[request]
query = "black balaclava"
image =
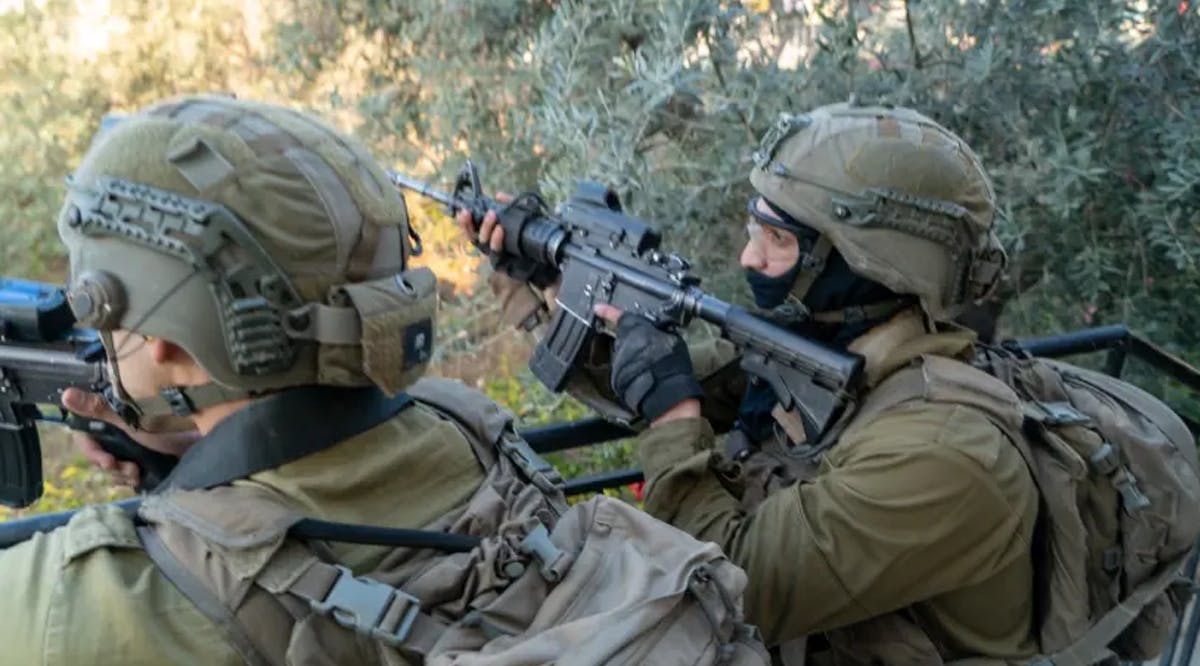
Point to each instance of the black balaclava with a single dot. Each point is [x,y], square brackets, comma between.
[836,288]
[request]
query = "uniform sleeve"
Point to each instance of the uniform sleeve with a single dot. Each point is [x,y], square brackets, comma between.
[898,515]
[87,594]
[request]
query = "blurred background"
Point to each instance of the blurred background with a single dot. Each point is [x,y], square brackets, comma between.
[1084,111]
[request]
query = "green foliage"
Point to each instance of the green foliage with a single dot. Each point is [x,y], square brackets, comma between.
[68,63]
[1082,115]
[1083,111]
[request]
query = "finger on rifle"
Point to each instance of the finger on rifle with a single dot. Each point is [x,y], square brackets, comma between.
[497,240]
[607,312]
[127,474]
[485,229]
[93,452]
[91,406]
[504,197]
[465,222]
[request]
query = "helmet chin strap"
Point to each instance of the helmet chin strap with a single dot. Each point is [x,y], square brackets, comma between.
[171,401]
[816,254]
[794,310]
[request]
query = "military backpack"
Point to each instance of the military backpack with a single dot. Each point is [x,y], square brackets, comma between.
[1119,488]
[598,582]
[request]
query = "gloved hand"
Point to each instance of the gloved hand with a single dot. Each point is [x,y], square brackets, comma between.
[651,369]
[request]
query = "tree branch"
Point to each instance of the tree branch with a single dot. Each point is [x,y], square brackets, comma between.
[912,37]
[725,86]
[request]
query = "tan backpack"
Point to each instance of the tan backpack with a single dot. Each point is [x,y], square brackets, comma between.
[1117,474]
[595,583]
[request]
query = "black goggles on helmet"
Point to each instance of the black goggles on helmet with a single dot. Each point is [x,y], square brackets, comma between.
[783,220]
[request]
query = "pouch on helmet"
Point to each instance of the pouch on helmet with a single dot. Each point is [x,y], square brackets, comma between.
[391,341]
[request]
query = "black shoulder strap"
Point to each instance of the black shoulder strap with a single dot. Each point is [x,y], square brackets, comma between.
[267,434]
[279,429]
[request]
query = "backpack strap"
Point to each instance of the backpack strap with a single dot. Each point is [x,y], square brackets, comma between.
[488,427]
[199,594]
[479,417]
[1092,647]
[283,427]
[370,608]
[258,573]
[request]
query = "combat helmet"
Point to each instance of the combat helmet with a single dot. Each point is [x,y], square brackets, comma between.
[268,245]
[905,201]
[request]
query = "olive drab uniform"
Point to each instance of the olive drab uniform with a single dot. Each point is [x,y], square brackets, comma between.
[995,511]
[89,593]
[909,541]
[547,583]
[212,577]
[896,513]
[274,251]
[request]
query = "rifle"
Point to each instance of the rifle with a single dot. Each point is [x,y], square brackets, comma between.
[606,256]
[41,355]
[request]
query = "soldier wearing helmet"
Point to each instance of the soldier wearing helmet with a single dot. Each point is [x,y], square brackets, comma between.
[248,268]
[905,534]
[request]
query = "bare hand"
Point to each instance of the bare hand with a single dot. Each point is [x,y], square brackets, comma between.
[490,235]
[685,409]
[123,472]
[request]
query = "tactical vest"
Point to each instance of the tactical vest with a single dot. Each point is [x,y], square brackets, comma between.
[597,582]
[1119,509]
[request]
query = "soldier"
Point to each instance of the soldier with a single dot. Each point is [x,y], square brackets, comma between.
[248,269]
[184,310]
[904,536]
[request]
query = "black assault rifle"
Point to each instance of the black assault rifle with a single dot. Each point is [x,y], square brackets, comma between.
[606,256]
[41,355]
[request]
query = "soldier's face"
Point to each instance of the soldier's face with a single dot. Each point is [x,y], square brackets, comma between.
[131,354]
[769,250]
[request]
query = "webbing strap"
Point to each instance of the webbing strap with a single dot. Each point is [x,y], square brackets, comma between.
[1092,647]
[186,400]
[372,609]
[200,595]
[859,313]
[278,429]
[326,324]
[813,263]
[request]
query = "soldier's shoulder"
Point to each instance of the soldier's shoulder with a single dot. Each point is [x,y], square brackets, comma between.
[959,433]
[104,526]
[88,593]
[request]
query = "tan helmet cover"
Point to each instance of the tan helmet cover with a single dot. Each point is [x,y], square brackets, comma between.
[314,212]
[903,199]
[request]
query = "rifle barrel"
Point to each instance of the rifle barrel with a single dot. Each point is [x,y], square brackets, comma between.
[424,189]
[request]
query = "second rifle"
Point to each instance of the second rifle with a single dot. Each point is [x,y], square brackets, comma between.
[604,255]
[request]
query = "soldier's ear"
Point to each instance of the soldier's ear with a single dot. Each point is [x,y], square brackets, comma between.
[164,352]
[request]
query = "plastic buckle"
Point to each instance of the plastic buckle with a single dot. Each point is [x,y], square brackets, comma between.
[537,543]
[1132,497]
[1105,460]
[362,604]
[1061,413]
[533,466]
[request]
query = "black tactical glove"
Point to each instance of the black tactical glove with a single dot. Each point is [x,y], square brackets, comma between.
[651,369]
